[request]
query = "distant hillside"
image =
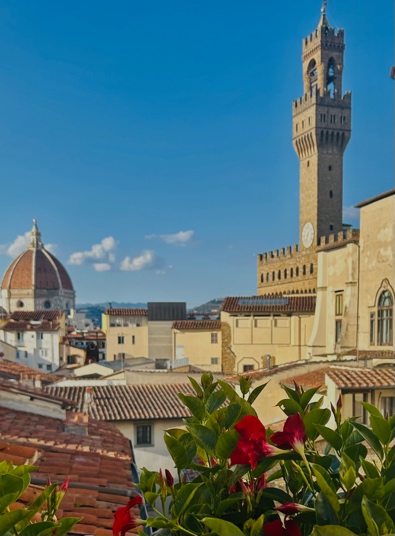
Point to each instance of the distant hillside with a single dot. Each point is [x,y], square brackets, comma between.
[95,310]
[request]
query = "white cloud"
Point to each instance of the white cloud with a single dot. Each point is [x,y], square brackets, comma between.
[102,266]
[148,260]
[98,252]
[178,239]
[351,213]
[20,243]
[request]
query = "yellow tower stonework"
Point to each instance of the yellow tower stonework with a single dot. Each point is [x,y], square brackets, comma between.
[321,132]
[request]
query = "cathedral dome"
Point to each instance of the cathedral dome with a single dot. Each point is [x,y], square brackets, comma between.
[36,280]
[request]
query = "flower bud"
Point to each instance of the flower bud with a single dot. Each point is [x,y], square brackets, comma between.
[169,478]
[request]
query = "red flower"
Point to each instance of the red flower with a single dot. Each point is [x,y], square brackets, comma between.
[169,478]
[293,435]
[276,528]
[65,484]
[289,508]
[123,519]
[252,445]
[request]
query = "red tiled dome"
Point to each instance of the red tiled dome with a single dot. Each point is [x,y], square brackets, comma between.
[36,268]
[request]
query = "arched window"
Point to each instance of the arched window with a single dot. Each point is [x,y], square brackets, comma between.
[297,271]
[304,269]
[292,272]
[384,318]
[313,75]
[285,274]
[261,278]
[267,277]
[331,77]
[279,274]
[273,276]
[311,268]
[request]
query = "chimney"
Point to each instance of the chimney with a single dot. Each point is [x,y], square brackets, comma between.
[76,423]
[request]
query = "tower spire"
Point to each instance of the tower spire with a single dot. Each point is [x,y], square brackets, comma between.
[324,19]
[35,238]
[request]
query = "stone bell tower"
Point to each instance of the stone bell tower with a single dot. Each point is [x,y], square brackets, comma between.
[321,131]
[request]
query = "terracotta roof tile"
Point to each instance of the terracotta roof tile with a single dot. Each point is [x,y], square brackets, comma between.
[269,303]
[126,312]
[358,378]
[185,325]
[14,371]
[58,454]
[310,380]
[129,402]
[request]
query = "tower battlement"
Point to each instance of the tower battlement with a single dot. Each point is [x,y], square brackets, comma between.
[338,239]
[307,100]
[323,34]
[282,253]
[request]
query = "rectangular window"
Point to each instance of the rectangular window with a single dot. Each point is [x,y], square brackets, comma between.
[19,336]
[214,360]
[49,368]
[17,355]
[372,328]
[214,338]
[133,339]
[339,304]
[388,405]
[247,368]
[43,353]
[143,434]
[338,331]
[40,365]
[40,335]
[26,354]
[121,339]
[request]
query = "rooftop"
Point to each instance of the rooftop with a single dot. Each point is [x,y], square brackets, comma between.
[362,378]
[376,198]
[128,402]
[16,371]
[269,303]
[184,325]
[126,312]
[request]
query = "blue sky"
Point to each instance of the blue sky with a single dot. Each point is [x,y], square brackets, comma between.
[152,140]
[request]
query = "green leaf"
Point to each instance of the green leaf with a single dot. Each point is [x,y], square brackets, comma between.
[65,525]
[371,409]
[151,497]
[34,529]
[381,428]
[184,496]
[215,400]
[8,520]
[330,435]
[326,488]
[370,437]
[222,527]
[314,417]
[245,384]
[227,503]
[177,451]
[196,386]
[194,404]
[257,526]
[325,513]
[290,406]
[355,452]
[204,437]
[348,473]
[226,444]
[256,392]
[229,391]
[6,500]
[11,484]
[372,488]
[277,495]
[331,530]
[292,394]
[307,396]
[316,405]
[377,519]
[232,413]
[206,380]
[370,469]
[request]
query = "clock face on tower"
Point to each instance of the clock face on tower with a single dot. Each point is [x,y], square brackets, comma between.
[308,234]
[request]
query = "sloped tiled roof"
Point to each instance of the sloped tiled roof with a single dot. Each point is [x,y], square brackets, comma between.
[129,402]
[310,380]
[33,321]
[277,303]
[358,378]
[185,325]
[36,316]
[126,312]
[16,371]
[97,462]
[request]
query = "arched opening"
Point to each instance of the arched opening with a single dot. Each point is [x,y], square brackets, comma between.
[313,76]
[311,268]
[261,278]
[384,318]
[304,269]
[273,276]
[267,277]
[292,272]
[297,271]
[285,274]
[331,77]
[279,274]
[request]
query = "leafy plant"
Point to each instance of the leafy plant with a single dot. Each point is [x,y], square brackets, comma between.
[38,519]
[235,477]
